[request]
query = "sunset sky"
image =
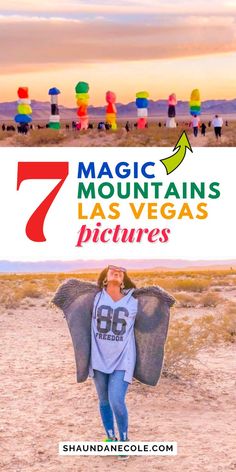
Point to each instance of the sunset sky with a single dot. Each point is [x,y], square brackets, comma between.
[126,46]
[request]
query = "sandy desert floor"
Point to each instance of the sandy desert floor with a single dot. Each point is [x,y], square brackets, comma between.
[41,403]
[151,137]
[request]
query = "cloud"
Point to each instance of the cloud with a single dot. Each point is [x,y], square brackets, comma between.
[49,43]
[120,7]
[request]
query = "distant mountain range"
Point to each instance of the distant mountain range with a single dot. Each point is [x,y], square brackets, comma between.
[90,265]
[41,110]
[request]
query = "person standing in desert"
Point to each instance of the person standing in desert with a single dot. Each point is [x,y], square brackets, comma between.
[195,125]
[113,350]
[217,123]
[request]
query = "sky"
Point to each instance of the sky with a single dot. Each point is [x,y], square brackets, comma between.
[126,46]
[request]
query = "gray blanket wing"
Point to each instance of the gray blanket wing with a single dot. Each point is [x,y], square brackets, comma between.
[151,329]
[76,299]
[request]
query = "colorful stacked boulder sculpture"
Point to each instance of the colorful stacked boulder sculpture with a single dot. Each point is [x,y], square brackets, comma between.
[172,102]
[54,121]
[82,98]
[24,109]
[111,109]
[195,103]
[142,109]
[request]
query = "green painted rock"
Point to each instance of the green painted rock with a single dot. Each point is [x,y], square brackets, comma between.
[82,87]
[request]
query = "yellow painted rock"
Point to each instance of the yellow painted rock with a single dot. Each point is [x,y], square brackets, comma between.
[82,96]
[24,109]
[195,96]
[195,103]
[143,94]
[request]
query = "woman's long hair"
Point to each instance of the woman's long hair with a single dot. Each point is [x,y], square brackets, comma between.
[127,281]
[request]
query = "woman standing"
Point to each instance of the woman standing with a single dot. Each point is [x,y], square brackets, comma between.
[113,351]
[101,319]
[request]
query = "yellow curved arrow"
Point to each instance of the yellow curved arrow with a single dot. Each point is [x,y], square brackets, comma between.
[172,162]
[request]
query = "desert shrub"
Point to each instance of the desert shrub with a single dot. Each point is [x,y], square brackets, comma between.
[224,282]
[16,287]
[29,291]
[210,299]
[49,285]
[12,293]
[6,134]
[228,323]
[181,349]
[186,338]
[41,137]
[176,283]
[185,300]
[7,300]
[183,284]
[191,285]
[221,327]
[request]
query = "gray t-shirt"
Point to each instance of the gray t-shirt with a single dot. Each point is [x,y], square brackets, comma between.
[112,334]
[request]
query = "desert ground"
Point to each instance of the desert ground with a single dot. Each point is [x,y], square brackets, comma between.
[193,404]
[151,137]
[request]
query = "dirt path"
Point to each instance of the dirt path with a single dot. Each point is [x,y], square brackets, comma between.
[208,140]
[41,404]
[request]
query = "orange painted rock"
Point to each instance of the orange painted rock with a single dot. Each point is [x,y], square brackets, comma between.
[82,111]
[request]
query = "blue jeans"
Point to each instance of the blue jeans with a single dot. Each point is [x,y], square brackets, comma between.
[111,390]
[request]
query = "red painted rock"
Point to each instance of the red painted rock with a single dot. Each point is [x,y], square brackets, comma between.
[23,92]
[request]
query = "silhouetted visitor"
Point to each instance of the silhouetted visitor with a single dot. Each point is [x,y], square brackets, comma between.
[23,128]
[127,126]
[217,122]
[203,129]
[101,126]
[195,125]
